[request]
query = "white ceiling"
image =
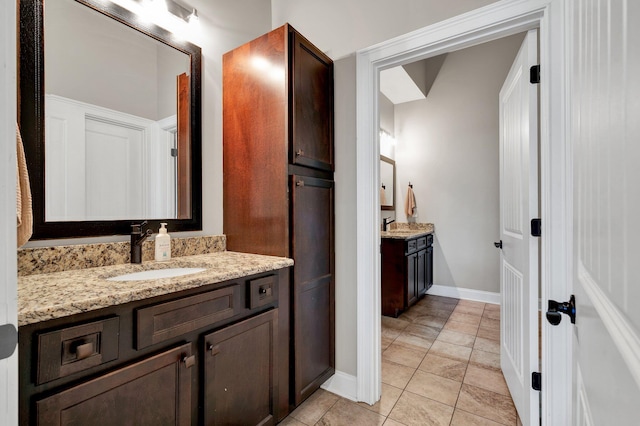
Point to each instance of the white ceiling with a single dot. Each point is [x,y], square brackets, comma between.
[398,87]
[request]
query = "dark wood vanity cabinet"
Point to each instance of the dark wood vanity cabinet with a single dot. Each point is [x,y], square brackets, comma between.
[278,184]
[203,356]
[407,272]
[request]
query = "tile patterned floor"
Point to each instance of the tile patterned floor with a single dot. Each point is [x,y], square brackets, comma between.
[440,366]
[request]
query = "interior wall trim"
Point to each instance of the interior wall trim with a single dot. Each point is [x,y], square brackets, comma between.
[343,384]
[616,322]
[465,294]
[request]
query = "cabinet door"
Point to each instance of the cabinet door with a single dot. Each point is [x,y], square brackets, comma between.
[155,391]
[312,108]
[429,267]
[421,273]
[313,285]
[240,372]
[412,289]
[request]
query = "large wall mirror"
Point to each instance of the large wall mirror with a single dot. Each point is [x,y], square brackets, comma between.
[110,114]
[387,183]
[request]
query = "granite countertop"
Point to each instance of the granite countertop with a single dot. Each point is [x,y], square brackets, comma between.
[44,297]
[404,231]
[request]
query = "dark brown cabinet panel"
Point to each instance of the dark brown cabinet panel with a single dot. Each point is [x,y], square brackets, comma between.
[278,186]
[311,145]
[154,391]
[407,272]
[313,298]
[240,367]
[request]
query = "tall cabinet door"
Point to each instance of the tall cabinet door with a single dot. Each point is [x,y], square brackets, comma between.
[312,109]
[313,283]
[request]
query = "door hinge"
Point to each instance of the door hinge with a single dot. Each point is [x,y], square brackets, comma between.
[174,152]
[536,381]
[536,227]
[534,74]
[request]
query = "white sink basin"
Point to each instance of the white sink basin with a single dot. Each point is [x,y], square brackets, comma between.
[155,274]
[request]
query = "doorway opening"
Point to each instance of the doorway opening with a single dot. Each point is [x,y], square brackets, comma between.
[485,24]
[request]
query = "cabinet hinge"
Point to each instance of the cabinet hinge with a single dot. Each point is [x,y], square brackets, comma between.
[536,227]
[174,152]
[534,74]
[536,381]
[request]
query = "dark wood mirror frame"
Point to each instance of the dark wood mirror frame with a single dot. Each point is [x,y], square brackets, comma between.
[392,206]
[31,118]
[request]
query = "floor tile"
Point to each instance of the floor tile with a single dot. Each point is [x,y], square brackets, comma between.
[412,341]
[349,413]
[442,299]
[489,333]
[403,355]
[390,395]
[423,331]
[440,313]
[390,333]
[469,309]
[416,410]
[290,421]
[449,350]
[487,404]
[487,345]
[486,378]
[444,367]
[395,374]
[491,314]
[461,327]
[391,422]
[466,318]
[434,387]
[490,323]
[394,323]
[462,418]
[431,321]
[310,411]
[385,342]
[456,338]
[485,359]
[471,303]
[493,307]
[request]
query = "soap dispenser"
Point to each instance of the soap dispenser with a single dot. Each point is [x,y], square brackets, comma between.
[163,244]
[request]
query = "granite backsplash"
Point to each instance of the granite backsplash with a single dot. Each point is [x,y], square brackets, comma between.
[42,260]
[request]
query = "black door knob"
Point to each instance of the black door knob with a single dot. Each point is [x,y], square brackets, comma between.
[498,244]
[557,308]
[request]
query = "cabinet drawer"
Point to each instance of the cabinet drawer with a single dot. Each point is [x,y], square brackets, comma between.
[262,291]
[422,242]
[73,349]
[412,246]
[171,319]
[429,239]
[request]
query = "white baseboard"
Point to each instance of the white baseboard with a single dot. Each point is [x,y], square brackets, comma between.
[465,293]
[342,384]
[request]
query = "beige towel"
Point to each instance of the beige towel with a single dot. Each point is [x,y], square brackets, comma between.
[383,197]
[410,203]
[23,194]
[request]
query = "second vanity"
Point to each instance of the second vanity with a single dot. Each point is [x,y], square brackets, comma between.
[407,267]
[206,348]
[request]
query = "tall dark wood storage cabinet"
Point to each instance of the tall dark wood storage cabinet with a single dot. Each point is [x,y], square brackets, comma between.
[278,188]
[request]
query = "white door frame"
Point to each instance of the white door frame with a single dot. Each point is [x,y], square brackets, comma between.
[8,264]
[497,20]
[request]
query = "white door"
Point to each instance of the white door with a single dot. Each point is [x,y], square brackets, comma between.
[8,262]
[605,139]
[519,256]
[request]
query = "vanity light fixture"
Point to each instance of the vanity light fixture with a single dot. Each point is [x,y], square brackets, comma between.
[188,15]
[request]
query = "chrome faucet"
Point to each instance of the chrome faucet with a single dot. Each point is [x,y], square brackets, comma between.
[385,223]
[137,238]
